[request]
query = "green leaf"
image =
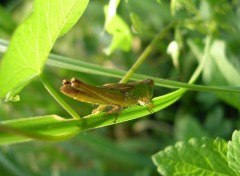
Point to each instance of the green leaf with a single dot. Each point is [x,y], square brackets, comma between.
[33,40]
[55,128]
[234,152]
[42,127]
[216,124]
[177,5]
[194,157]
[219,70]
[137,23]
[188,127]
[118,28]
[220,63]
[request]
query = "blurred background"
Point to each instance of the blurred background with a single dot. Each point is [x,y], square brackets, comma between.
[126,149]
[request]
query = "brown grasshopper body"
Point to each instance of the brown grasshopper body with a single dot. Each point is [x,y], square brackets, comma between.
[116,95]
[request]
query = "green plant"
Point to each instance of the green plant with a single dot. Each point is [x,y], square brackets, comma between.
[37,34]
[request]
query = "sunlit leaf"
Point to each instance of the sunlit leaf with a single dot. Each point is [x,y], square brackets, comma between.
[33,40]
[196,157]
[234,152]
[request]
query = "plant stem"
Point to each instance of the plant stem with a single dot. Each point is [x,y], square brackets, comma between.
[146,53]
[202,62]
[55,95]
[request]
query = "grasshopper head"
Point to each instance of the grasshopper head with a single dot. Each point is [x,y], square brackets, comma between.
[144,91]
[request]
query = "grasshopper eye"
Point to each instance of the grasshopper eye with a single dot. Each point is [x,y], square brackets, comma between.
[65,82]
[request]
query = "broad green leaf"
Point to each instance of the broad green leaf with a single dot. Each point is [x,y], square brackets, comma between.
[194,157]
[234,152]
[33,40]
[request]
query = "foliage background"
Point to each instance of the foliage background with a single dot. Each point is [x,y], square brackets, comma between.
[124,148]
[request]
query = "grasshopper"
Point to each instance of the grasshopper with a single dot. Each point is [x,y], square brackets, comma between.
[116,95]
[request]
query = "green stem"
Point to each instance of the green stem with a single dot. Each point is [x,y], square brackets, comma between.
[84,67]
[55,95]
[202,62]
[146,53]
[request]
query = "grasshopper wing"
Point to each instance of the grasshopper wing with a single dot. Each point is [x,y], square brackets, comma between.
[119,87]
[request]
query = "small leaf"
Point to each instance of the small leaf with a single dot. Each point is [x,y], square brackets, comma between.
[194,157]
[177,5]
[234,152]
[118,28]
[111,10]
[137,23]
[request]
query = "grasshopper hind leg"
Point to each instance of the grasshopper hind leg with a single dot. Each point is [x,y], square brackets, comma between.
[150,108]
[116,109]
[99,109]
